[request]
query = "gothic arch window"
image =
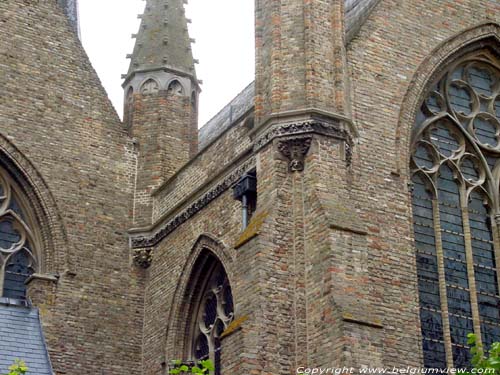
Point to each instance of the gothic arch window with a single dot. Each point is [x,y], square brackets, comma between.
[175,88]
[18,258]
[455,168]
[150,87]
[211,310]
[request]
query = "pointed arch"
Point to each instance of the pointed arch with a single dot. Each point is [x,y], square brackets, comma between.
[175,87]
[483,36]
[38,202]
[207,255]
[454,146]
[149,86]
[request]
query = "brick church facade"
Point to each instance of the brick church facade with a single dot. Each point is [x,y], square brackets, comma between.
[342,210]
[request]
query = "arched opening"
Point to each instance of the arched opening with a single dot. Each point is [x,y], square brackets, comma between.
[211,309]
[19,255]
[150,87]
[455,169]
[175,88]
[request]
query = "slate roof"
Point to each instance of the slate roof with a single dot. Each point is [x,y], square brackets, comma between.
[21,337]
[226,116]
[356,13]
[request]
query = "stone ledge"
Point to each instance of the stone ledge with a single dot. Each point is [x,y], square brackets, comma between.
[340,216]
[364,321]
[252,230]
[234,326]
[43,277]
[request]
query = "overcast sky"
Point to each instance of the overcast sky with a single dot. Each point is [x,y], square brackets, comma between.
[224,33]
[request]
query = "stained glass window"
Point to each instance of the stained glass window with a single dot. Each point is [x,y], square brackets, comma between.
[456,177]
[213,315]
[17,261]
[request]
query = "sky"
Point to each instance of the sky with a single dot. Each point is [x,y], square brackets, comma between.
[224,34]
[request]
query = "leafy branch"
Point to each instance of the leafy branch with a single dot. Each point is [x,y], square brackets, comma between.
[202,367]
[18,368]
[484,361]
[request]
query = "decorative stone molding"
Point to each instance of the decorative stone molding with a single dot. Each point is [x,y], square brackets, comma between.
[207,242]
[295,150]
[348,154]
[143,257]
[305,127]
[150,240]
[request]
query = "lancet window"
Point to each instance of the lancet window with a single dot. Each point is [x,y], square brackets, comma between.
[212,313]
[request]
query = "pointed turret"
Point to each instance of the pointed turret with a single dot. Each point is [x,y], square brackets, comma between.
[161,99]
[163,41]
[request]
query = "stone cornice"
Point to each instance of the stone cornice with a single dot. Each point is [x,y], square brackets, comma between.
[329,129]
[146,240]
[142,239]
[305,115]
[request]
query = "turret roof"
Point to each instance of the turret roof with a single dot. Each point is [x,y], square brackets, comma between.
[163,40]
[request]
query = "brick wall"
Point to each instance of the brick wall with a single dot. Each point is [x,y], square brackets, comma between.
[328,277]
[166,137]
[203,168]
[58,121]
[385,61]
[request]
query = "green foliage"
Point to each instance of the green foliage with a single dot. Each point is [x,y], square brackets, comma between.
[489,361]
[202,367]
[18,368]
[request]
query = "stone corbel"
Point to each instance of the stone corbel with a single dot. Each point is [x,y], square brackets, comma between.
[295,150]
[143,257]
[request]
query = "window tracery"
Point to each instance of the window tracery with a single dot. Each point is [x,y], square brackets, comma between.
[175,88]
[17,258]
[456,177]
[150,87]
[212,315]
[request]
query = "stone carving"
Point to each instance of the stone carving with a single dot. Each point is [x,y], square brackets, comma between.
[146,241]
[305,127]
[348,154]
[150,87]
[143,257]
[295,150]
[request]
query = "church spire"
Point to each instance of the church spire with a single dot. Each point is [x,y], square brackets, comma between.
[163,42]
[161,100]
